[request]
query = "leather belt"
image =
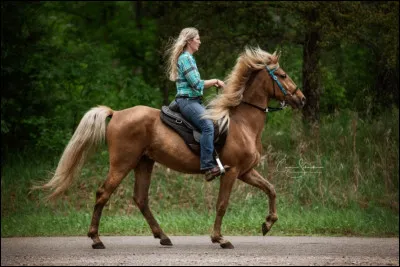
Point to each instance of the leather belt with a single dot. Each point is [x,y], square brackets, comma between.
[190,97]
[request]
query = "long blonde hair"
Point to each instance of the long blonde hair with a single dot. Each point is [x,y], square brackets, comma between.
[175,48]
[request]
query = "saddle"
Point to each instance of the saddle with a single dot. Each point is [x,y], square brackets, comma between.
[171,116]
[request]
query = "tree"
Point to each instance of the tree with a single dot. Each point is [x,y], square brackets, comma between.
[321,27]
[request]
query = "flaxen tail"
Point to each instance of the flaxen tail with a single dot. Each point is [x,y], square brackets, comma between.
[88,135]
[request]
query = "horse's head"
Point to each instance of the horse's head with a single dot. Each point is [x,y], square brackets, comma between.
[256,78]
[282,88]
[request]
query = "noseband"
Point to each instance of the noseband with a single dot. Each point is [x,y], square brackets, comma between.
[274,78]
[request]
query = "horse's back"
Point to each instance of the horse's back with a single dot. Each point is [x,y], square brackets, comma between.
[137,112]
[137,115]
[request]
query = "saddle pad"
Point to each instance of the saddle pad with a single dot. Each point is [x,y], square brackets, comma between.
[178,118]
[190,134]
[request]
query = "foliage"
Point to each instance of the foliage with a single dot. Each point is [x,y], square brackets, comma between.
[67,74]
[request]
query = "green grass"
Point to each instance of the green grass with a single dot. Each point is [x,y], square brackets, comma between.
[352,191]
[244,221]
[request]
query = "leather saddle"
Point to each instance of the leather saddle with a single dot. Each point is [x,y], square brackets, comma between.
[171,116]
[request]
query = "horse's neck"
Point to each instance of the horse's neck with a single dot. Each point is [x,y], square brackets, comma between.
[252,118]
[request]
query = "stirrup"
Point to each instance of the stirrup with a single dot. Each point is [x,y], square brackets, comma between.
[220,166]
[213,173]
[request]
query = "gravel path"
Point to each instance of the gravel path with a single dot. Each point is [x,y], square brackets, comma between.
[198,250]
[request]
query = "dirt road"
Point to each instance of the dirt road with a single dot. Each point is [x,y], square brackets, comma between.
[198,250]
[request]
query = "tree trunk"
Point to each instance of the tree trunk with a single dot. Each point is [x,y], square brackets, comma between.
[311,71]
[386,87]
[107,15]
[138,14]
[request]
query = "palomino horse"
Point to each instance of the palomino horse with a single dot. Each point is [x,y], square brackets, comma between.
[136,138]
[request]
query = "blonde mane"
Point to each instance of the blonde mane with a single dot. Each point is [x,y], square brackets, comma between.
[250,60]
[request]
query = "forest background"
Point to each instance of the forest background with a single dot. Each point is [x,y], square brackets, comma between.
[334,164]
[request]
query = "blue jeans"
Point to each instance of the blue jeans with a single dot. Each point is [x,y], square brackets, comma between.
[191,111]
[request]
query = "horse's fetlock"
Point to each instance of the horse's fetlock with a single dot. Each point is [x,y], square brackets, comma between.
[157,235]
[91,234]
[216,239]
[272,218]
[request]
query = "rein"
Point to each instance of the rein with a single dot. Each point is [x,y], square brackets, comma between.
[267,109]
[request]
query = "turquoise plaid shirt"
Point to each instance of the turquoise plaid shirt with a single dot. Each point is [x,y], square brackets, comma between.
[188,81]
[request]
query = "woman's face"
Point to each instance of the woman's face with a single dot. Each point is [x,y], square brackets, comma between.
[194,43]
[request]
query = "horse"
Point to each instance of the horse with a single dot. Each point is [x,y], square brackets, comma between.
[137,138]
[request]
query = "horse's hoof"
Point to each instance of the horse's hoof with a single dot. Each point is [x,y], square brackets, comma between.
[264,228]
[166,242]
[227,245]
[98,245]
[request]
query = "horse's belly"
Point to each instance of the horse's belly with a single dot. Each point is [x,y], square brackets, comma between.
[169,149]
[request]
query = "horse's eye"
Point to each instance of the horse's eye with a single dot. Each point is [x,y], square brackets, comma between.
[283,76]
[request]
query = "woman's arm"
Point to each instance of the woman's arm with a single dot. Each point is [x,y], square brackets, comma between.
[209,83]
[192,75]
[213,82]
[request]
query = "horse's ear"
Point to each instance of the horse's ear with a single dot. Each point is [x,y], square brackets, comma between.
[275,57]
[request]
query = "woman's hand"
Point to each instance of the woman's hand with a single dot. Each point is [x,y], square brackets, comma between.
[219,83]
[213,82]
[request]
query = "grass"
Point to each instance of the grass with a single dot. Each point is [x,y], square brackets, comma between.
[237,221]
[340,178]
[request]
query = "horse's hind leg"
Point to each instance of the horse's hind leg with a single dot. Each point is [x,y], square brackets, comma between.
[103,194]
[255,179]
[142,183]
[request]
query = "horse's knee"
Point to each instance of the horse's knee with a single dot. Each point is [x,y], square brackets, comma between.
[102,196]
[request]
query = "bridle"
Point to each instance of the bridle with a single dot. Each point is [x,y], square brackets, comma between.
[285,93]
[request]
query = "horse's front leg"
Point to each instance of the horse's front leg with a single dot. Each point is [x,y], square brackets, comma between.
[255,179]
[226,184]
